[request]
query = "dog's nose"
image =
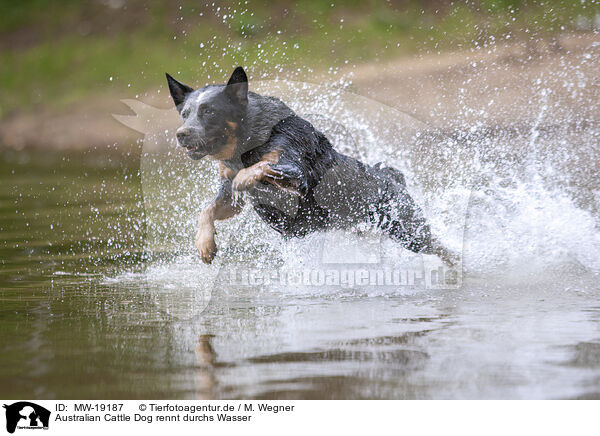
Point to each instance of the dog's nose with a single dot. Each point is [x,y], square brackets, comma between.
[183,133]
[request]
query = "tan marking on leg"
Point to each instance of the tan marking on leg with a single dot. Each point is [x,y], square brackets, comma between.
[225,211]
[205,237]
[225,172]
[247,178]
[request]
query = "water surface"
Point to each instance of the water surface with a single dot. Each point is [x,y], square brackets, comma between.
[87,312]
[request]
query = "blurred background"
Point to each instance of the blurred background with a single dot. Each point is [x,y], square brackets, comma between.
[85,305]
[64,65]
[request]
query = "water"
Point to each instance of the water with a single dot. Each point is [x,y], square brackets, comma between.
[102,295]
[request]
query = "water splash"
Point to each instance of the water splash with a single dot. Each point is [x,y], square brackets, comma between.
[512,218]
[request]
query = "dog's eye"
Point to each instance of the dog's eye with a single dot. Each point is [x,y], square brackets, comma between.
[185,113]
[205,111]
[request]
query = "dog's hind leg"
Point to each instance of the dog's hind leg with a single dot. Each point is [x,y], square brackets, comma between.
[447,256]
[222,208]
[401,219]
[417,238]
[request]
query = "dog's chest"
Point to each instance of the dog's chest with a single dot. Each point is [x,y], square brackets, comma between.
[266,194]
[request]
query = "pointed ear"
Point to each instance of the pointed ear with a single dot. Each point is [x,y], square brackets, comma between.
[179,91]
[237,87]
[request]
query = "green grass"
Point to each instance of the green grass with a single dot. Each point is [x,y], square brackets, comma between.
[52,57]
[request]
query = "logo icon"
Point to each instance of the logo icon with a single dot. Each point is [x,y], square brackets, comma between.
[26,415]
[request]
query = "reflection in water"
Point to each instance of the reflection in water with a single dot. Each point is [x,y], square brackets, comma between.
[205,358]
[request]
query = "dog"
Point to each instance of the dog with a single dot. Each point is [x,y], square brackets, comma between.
[289,171]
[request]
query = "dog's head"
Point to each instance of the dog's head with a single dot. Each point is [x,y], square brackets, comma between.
[211,116]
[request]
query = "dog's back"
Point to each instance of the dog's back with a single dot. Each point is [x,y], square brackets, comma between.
[332,190]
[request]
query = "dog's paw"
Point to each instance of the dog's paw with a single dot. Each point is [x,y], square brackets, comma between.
[206,247]
[244,180]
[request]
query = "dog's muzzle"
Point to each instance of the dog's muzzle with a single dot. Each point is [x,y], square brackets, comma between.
[188,138]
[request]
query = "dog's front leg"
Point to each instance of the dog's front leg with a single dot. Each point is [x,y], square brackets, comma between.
[221,208]
[247,178]
[205,237]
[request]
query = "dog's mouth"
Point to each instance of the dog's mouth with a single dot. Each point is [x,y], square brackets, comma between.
[195,154]
[198,151]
